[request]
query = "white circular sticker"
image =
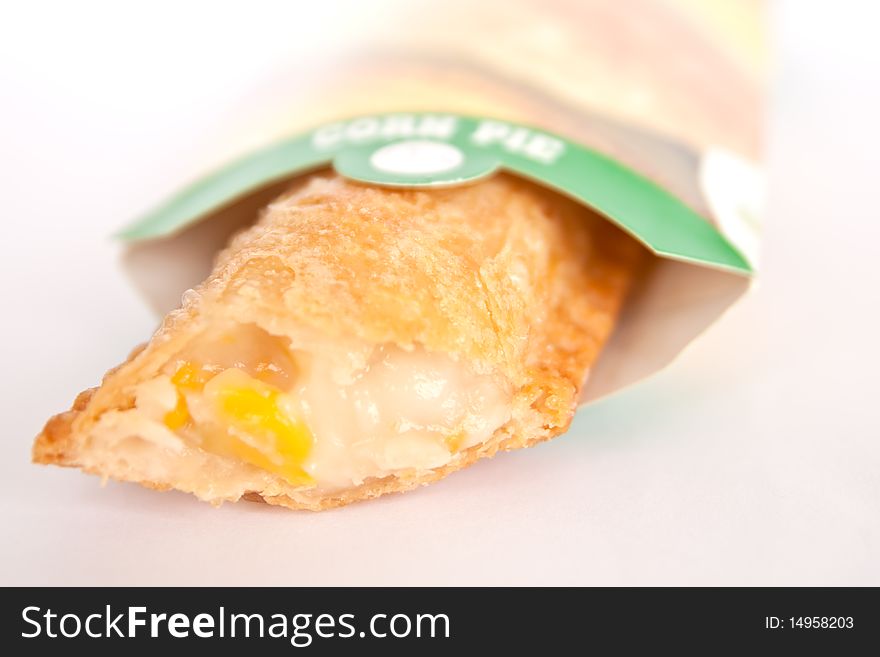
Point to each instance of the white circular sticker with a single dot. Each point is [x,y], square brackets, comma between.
[417,157]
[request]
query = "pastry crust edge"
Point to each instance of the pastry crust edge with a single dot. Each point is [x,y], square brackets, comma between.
[56,445]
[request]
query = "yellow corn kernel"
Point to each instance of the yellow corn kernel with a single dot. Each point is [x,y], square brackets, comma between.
[260,432]
[179,415]
[190,377]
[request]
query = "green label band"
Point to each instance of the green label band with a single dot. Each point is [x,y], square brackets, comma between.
[439,150]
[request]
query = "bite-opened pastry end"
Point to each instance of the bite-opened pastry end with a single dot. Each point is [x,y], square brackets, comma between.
[315,419]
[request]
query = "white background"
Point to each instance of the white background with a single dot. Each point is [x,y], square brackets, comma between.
[755,459]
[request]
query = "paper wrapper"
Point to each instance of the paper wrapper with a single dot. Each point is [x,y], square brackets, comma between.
[669,89]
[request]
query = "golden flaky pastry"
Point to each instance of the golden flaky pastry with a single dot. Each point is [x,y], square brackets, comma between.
[358,341]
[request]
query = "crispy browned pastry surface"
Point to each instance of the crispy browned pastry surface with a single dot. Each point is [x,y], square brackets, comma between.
[515,279]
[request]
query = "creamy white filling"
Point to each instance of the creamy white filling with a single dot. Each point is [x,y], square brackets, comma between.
[405,409]
[372,411]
